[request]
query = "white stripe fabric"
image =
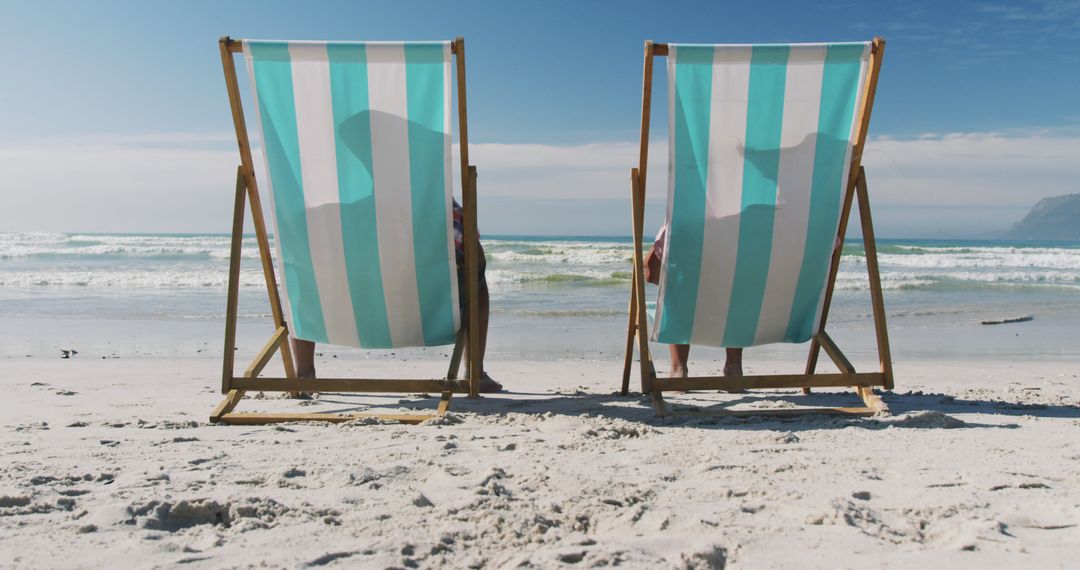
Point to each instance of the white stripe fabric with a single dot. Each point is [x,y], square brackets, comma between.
[345,134]
[448,177]
[852,133]
[802,99]
[657,312]
[730,82]
[760,141]
[390,162]
[268,190]
[318,159]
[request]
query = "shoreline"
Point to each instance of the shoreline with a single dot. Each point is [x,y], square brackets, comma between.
[1047,337]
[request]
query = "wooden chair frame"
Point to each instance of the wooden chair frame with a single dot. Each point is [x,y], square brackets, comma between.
[862,382]
[247,194]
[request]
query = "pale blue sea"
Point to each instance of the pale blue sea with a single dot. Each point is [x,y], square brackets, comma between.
[552,297]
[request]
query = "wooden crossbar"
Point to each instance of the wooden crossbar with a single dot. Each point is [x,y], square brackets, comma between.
[371,385]
[662,49]
[771,381]
[873,404]
[783,412]
[237,46]
[834,352]
[252,418]
[267,352]
[249,418]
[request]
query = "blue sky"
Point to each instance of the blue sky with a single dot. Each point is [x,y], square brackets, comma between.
[964,86]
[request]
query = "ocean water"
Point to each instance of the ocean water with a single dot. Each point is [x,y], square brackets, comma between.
[552,297]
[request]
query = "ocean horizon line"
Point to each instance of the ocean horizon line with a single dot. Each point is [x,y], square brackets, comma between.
[586,237]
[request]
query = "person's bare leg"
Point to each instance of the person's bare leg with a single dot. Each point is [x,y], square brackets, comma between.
[680,355]
[304,360]
[483,305]
[487,383]
[733,365]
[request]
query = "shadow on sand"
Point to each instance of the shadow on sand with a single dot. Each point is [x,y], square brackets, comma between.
[912,410]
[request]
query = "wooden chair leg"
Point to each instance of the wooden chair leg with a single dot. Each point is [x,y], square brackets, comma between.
[648,372]
[231,400]
[878,302]
[631,330]
[444,403]
[455,358]
[658,403]
[872,400]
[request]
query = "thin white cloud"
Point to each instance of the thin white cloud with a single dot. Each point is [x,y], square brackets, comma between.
[986,169]
[176,182]
[152,182]
[932,169]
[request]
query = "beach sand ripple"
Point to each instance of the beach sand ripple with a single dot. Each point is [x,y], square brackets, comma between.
[979,470]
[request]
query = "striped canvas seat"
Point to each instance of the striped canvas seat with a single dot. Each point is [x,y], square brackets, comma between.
[356,139]
[760,146]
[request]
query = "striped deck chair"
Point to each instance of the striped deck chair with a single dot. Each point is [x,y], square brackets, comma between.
[765,143]
[356,141]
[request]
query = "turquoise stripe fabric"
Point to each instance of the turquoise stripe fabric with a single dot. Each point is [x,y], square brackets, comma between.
[424,75]
[356,186]
[357,144]
[277,113]
[839,93]
[765,111]
[759,146]
[692,101]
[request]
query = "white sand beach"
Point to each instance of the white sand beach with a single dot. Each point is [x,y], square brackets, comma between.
[112,462]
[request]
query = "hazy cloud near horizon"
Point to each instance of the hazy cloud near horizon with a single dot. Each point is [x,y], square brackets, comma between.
[960,184]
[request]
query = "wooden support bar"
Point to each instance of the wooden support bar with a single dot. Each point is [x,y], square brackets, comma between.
[444,403]
[472,284]
[658,403]
[231,400]
[471,234]
[233,295]
[876,297]
[648,371]
[838,358]
[455,357]
[646,113]
[235,46]
[463,115]
[782,413]
[631,331]
[257,218]
[662,49]
[267,352]
[271,418]
[872,400]
[410,386]
[874,406]
[770,381]
[638,323]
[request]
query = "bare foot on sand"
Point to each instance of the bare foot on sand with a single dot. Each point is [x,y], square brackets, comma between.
[307,375]
[733,369]
[679,372]
[489,385]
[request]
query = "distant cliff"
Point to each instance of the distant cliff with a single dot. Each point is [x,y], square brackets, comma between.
[1051,218]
